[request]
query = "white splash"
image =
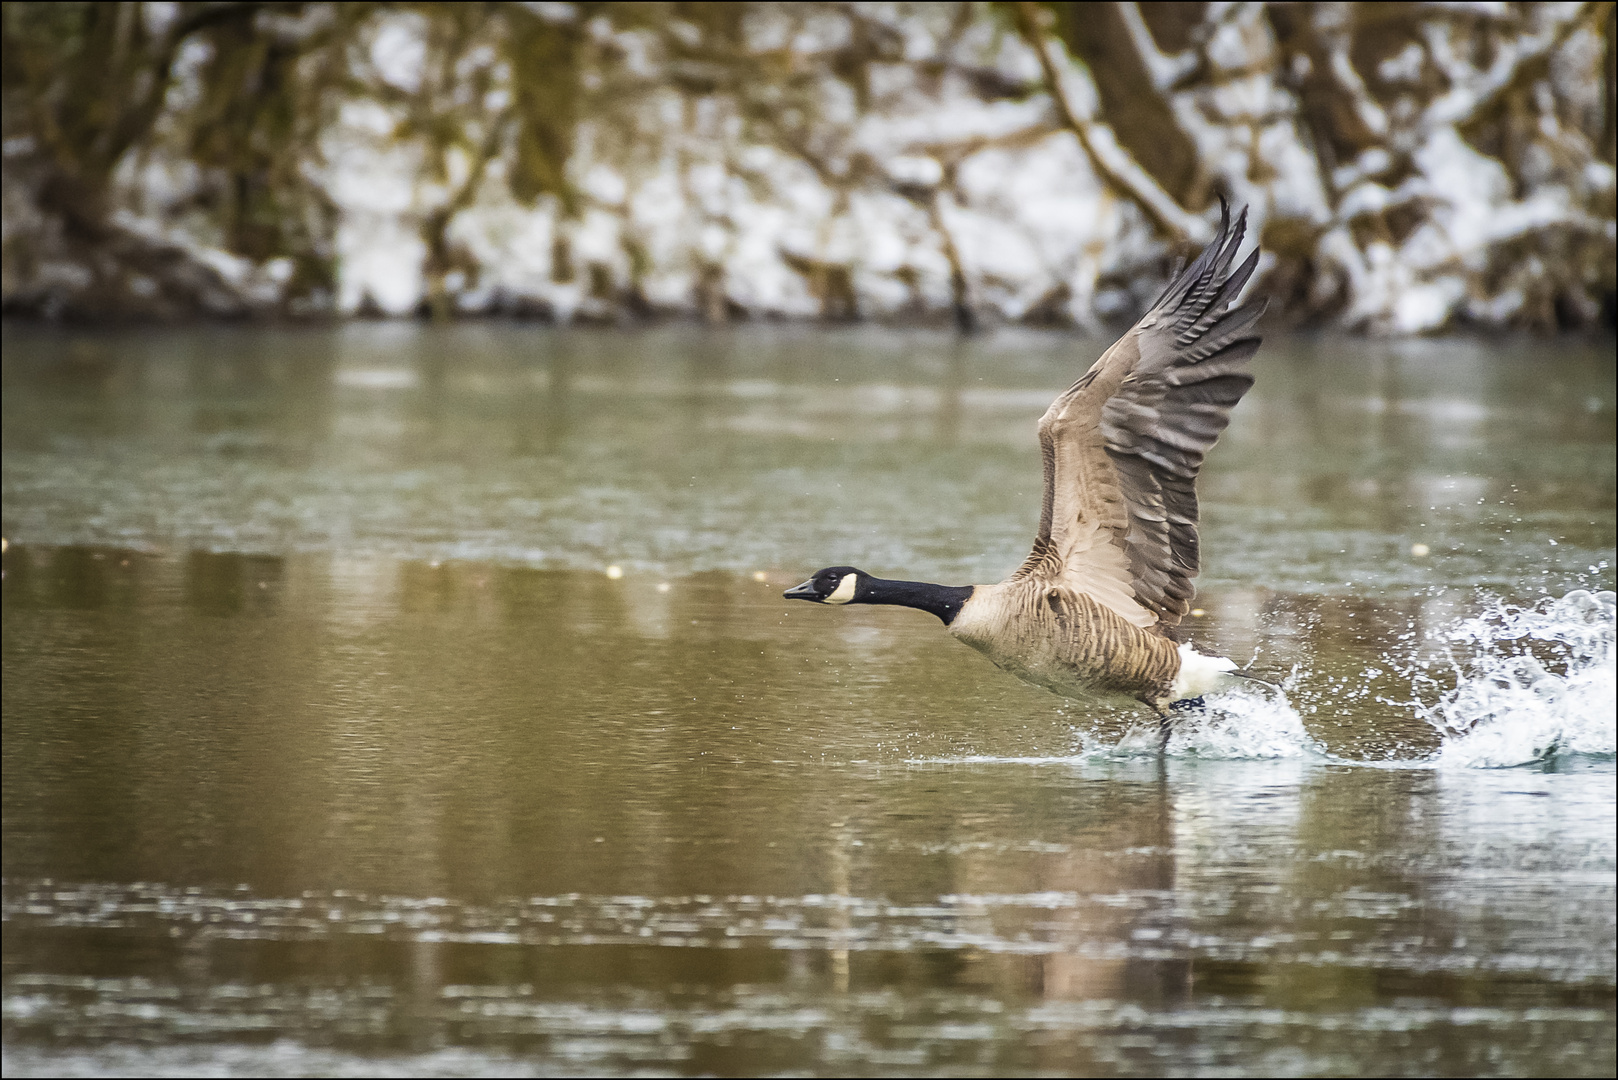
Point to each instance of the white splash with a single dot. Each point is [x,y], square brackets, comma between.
[1245,723]
[1510,686]
[1526,683]
[1513,685]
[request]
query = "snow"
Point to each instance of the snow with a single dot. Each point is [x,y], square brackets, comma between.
[685,194]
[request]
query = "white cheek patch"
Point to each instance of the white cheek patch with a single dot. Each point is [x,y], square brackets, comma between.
[844,591]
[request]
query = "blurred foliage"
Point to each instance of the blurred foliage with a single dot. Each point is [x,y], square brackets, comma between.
[167,159]
[243,90]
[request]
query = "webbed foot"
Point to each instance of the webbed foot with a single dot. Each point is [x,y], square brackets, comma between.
[1166,716]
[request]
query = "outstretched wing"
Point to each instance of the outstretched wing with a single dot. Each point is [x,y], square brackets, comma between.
[1124,445]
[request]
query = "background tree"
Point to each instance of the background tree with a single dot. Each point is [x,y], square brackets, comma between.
[241,90]
[1410,167]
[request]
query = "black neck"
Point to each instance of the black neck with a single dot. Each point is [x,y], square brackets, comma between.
[942,600]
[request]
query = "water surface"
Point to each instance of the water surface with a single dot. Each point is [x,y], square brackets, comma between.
[419,700]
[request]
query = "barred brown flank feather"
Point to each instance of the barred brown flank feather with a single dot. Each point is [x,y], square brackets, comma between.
[1065,641]
[1116,656]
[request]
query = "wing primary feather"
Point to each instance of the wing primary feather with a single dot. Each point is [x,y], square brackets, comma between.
[1204,294]
[1183,281]
[1227,292]
[1174,279]
[1224,332]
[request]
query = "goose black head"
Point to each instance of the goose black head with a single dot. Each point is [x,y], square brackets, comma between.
[833,585]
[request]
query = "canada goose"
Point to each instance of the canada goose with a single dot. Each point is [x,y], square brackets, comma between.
[1094,611]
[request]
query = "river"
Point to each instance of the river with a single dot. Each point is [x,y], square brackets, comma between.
[393,698]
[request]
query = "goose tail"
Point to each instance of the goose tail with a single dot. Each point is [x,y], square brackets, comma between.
[1199,674]
[1254,678]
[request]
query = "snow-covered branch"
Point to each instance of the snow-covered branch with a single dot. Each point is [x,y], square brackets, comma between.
[1408,167]
[1513,63]
[1110,160]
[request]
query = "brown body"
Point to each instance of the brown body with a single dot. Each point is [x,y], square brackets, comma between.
[1049,635]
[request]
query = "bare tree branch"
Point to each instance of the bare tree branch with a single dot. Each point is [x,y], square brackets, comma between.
[1463,103]
[1111,161]
[1167,71]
